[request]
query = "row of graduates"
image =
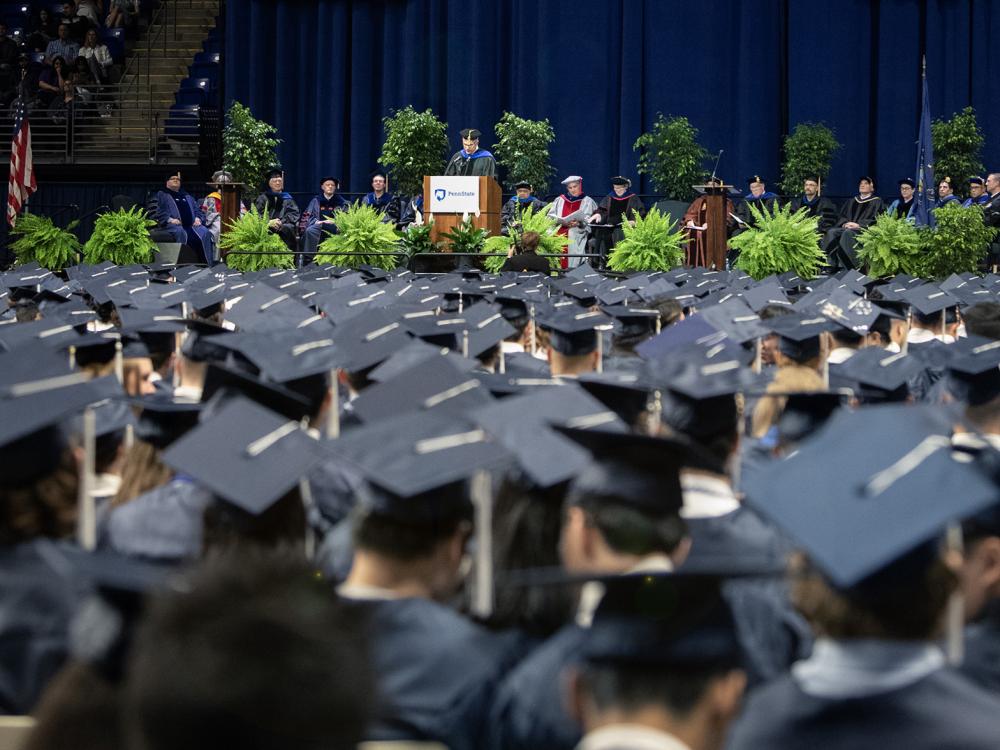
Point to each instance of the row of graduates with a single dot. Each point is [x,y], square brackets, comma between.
[635,492]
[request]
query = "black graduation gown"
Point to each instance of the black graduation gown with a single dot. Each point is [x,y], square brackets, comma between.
[991,211]
[862,212]
[511,212]
[943,711]
[982,650]
[281,206]
[480,164]
[528,712]
[436,671]
[527,262]
[821,207]
[766,202]
[162,524]
[36,605]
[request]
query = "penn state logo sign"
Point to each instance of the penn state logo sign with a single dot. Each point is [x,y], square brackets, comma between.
[439,194]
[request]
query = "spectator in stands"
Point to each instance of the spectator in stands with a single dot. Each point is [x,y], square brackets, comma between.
[8,58]
[91,10]
[77,25]
[52,81]
[28,73]
[62,46]
[98,57]
[280,208]
[42,29]
[122,12]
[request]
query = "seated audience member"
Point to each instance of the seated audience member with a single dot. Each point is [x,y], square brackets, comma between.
[77,25]
[62,46]
[902,207]
[178,213]
[855,215]
[521,201]
[270,659]
[320,217]
[53,81]
[379,198]
[121,14]
[8,59]
[279,207]
[42,29]
[815,204]
[523,257]
[97,56]
[91,10]
[759,197]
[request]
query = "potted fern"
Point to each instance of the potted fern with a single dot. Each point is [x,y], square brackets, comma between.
[360,230]
[957,244]
[495,248]
[39,240]
[780,242]
[653,243]
[121,237]
[264,248]
[890,246]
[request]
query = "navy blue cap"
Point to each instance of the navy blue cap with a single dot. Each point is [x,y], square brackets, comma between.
[573,332]
[164,420]
[881,499]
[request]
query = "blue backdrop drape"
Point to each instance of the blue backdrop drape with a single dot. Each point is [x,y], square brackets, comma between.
[326,72]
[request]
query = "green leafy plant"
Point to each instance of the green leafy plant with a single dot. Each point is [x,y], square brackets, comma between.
[415,145]
[779,242]
[958,145]
[360,229]
[653,244]
[956,244]
[496,247]
[121,237]
[38,239]
[465,238]
[809,151]
[672,157]
[890,246]
[248,146]
[522,149]
[250,232]
[416,239]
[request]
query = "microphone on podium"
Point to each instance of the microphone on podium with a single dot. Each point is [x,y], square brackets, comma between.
[716,167]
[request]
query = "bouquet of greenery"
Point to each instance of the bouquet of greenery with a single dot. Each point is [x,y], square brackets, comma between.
[780,242]
[416,239]
[957,244]
[38,239]
[250,232]
[890,246]
[654,244]
[121,237]
[360,229]
[465,238]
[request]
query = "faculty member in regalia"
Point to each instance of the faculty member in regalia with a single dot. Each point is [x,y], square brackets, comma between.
[522,200]
[571,211]
[472,160]
[179,214]
[855,215]
[618,206]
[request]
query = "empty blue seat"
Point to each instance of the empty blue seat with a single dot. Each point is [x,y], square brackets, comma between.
[204,84]
[207,58]
[191,97]
[181,122]
[205,70]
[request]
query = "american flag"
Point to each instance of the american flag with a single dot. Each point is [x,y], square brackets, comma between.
[22,169]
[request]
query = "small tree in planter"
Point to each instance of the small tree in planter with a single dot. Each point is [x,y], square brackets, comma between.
[957,244]
[958,145]
[890,246]
[416,144]
[654,243]
[121,237]
[780,242]
[248,146]
[38,239]
[360,229]
[672,157]
[250,232]
[522,149]
[809,151]
[496,247]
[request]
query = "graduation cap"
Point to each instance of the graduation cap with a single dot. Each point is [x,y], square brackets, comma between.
[522,185]
[246,455]
[692,330]
[976,370]
[571,179]
[234,381]
[522,424]
[805,413]
[627,394]
[207,301]
[977,181]
[634,321]
[754,178]
[907,181]
[94,348]
[735,318]
[433,384]
[289,355]
[470,134]
[275,171]
[164,420]
[412,354]
[856,314]
[30,414]
[37,362]
[621,181]
[662,621]
[699,400]
[628,469]
[369,339]
[53,333]
[760,296]
[206,342]
[882,375]
[487,329]
[416,465]
[881,501]
[378,173]
[572,332]
[799,334]
[929,299]
[334,180]
[866,178]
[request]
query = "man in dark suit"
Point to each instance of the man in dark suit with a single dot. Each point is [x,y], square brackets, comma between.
[815,204]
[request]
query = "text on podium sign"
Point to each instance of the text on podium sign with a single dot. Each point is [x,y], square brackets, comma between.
[457,195]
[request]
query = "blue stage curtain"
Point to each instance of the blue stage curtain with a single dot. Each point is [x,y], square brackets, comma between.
[327,71]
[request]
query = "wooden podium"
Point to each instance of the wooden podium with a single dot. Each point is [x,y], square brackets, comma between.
[230,212]
[715,234]
[489,208]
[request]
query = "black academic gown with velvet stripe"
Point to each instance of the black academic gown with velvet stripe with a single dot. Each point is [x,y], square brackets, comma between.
[942,711]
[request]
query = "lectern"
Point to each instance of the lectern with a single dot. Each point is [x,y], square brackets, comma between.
[711,240]
[448,199]
[230,210]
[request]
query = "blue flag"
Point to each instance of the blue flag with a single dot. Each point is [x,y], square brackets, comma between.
[924,195]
